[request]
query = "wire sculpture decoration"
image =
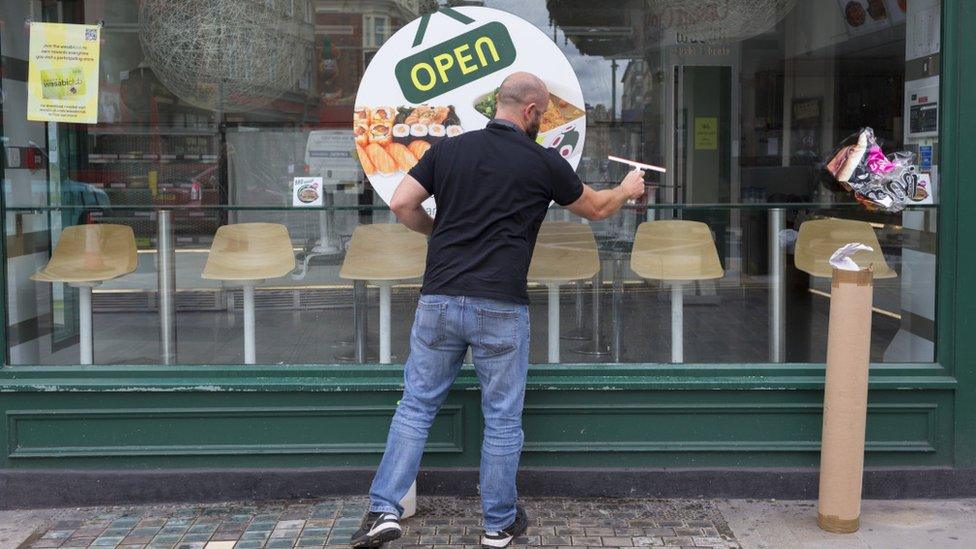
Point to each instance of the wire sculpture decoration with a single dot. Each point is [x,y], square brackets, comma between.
[719,21]
[229,55]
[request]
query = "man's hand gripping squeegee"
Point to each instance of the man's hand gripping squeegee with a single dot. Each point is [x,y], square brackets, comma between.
[638,166]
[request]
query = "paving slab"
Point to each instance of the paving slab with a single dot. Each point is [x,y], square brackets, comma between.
[885,524]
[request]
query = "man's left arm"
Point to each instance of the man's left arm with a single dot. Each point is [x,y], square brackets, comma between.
[408,205]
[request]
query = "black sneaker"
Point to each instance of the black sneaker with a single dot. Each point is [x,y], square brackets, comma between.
[512,531]
[377,529]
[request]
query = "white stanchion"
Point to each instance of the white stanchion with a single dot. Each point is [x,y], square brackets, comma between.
[409,502]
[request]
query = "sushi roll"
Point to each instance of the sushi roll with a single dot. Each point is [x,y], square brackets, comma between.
[440,114]
[420,114]
[454,130]
[382,115]
[419,130]
[436,132]
[360,115]
[401,133]
[380,133]
[361,132]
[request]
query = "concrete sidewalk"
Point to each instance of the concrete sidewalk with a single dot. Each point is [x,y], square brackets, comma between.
[453,522]
[885,524]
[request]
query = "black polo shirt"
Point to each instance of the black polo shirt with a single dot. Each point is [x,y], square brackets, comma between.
[492,188]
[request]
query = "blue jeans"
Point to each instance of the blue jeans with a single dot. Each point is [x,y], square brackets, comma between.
[443,328]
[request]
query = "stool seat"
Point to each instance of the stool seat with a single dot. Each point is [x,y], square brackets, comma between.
[564,252]
[85,256]
[91,253]
[818,239]
[384,252]
[675,250]
[250,251]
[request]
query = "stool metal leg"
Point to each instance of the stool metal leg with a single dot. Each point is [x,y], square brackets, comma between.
[249,353]
[599,348]
[578,333]
[385,292]
[359,310]
[615,310]
[677,323]
[553,323]
[85,338]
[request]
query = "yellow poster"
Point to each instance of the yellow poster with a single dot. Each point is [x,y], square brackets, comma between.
[62,80]
[706,133]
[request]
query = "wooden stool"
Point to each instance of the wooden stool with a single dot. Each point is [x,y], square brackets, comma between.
[384,254]
[818,239]
[247,254]
[86,256]
[564,252]
[676,252]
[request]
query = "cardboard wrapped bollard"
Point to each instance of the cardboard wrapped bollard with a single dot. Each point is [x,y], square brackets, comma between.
[845,395]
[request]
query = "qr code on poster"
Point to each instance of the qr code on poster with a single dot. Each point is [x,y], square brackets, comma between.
[91,35]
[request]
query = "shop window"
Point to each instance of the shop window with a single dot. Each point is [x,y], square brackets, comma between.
[206,121]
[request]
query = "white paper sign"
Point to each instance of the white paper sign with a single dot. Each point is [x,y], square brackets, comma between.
[306,191]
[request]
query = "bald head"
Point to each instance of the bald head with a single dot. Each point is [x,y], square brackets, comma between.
[522,88]
[522,99]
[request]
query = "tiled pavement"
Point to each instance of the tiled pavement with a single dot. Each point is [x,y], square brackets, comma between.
[440,522]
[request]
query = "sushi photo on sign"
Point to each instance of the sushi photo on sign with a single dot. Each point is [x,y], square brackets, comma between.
[436,78]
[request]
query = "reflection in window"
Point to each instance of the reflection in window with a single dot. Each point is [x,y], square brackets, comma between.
[741,106]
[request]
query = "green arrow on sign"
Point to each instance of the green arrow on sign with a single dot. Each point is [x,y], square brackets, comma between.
[425,20]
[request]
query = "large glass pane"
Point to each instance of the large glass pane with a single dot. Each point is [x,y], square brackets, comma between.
[211,117]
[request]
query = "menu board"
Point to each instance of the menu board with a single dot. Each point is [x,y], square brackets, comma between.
[436,78]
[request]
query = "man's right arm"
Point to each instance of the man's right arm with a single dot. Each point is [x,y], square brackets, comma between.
[597,205]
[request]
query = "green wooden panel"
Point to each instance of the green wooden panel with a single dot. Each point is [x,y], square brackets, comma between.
[199,431]
[957,262]
[592,428]
[717,427]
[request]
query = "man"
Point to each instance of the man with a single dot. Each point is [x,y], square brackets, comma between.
[492,189]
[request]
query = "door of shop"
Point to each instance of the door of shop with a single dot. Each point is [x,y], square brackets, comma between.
[703,146]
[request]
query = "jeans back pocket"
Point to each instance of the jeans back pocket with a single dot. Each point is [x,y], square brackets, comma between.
[430,323]
[497,331]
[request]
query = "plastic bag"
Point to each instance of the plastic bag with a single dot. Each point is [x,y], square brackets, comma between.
[877,180]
